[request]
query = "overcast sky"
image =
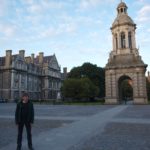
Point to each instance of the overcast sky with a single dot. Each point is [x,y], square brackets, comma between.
[77,31]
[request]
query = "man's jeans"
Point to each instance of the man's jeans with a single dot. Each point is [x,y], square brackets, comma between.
[20,131]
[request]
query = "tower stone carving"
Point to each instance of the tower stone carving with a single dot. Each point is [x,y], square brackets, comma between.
[124,61]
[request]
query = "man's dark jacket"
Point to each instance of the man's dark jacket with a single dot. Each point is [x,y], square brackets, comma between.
[30,117]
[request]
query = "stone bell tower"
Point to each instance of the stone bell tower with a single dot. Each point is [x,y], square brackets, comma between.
[124,61]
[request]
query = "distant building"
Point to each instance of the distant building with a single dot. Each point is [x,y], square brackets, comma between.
[39,76]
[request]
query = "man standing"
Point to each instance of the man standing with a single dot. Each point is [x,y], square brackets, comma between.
[24,116]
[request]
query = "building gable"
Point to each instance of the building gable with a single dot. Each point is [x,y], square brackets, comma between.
[53,63]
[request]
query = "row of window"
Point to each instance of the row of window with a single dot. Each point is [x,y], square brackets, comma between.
[123,39]
[52,73]
[54,84]
[35,85]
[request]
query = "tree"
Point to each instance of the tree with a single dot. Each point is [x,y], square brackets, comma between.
[126,89]
[94,73]
[79,89]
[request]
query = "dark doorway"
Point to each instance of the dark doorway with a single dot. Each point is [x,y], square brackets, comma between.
[125,90]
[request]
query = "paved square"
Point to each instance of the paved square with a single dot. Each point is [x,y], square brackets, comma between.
[102,127]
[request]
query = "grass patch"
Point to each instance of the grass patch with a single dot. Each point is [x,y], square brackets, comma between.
[55,102]
[44,102]
[83,103]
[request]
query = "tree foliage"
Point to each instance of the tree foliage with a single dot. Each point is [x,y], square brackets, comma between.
[126,89]
[79,89]
[94,73]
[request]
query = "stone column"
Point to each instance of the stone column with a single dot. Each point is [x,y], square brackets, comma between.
[12,85]
[113,42]
[26,81]
[136,83]
[133,39]
[116,41]
[46,87]
[119,41]
[110,88]
[46,82]
[140,96]
[19,82]
[127,39]
[113,86]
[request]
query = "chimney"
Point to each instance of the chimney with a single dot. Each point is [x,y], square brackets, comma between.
[41,54]
[32,58]
[21,53]
[8,57]
[65,72]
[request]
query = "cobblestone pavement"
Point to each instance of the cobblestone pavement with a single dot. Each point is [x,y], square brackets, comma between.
[8,130]
[129,130]
[61,127]
[56,110]
[136,111]
[118,136]
[47,117]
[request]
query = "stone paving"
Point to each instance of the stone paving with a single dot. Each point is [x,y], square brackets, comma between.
[102,127]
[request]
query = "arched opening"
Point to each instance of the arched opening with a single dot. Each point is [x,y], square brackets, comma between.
[123,40]
[125,89]
[121,10]
[130,40]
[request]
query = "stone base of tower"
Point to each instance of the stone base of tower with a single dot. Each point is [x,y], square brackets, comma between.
[137,100]
[140,101]
[111,101]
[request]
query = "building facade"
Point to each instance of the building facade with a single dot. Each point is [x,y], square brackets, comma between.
[124,62]
[39,76]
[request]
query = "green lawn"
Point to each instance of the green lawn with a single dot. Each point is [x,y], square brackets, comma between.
[53,102]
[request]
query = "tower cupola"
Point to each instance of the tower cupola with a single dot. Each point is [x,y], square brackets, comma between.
[123,32]
[122,8]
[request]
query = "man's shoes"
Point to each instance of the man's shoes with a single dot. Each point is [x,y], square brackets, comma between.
[31,148]
[18,148]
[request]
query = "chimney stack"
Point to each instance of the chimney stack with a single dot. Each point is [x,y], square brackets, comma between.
[41,54]
[65,72]
[8,57]
[21,53]
[32,58]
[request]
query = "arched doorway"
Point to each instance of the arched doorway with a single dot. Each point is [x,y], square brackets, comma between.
[125,89]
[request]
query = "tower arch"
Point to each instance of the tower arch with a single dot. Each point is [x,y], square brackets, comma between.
[125,89]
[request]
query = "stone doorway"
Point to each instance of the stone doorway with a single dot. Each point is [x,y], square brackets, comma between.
[125,90]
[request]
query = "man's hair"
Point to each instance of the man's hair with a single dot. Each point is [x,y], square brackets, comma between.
[25,94]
